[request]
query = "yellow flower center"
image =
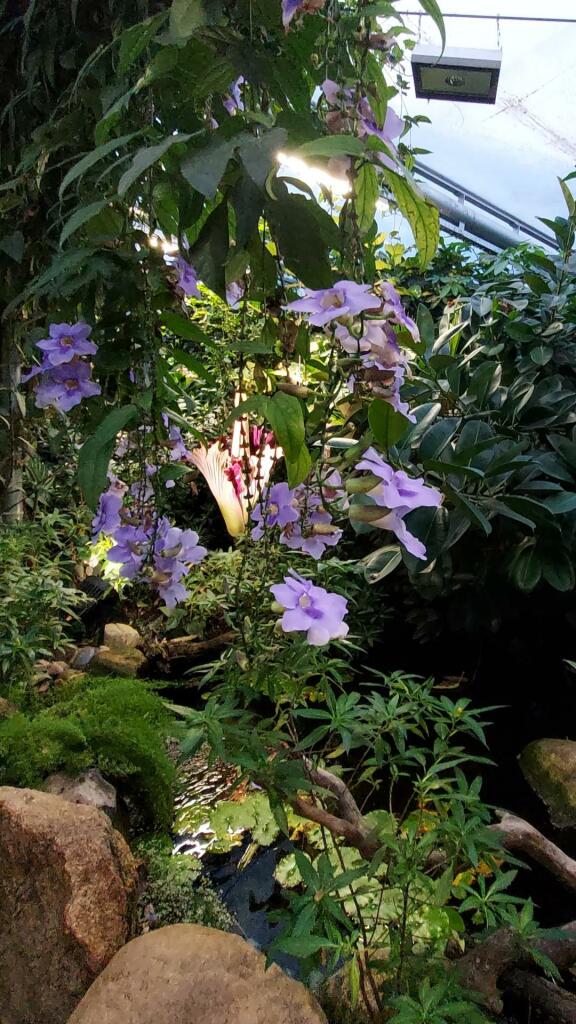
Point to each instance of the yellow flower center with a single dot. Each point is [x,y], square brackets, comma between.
[67,340]
[304,601]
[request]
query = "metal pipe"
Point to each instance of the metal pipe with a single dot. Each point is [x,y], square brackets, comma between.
[491,17]
[475,216]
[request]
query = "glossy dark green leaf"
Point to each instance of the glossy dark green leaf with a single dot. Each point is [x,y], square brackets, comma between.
[387,425]
[437,437]
[557,568]
[95,453]
[526,569]
[210,252]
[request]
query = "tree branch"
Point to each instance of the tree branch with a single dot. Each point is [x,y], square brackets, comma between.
[349,824]
[519,835]
[547,1002]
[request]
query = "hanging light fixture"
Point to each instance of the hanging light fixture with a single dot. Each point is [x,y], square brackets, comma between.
[467,76]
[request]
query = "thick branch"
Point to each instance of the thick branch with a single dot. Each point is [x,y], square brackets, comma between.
[191,648]
[547,1002]
[520,836]
[482,968]
[349,824]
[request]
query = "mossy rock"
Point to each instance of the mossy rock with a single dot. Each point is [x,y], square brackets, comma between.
[549,766]
[127,662]
[7,708]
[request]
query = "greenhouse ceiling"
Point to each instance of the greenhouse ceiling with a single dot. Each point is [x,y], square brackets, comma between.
[510,153]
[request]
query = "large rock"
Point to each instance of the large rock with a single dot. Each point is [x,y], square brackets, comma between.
[67,903]
[89,788]
[549,766]
[187,974]
[119,636]
[125,661]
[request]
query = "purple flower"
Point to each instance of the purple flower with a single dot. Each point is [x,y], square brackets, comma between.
[235,293]
[346,298]
[394,311]
[311,610]
[398,494]
[188,278]
[233,101]
[107,518]
[315,532]
[279,507]
[177,446]
[289,9]
[392,128]
[175,551]
[142,489]
[66,341]
[336,94]
[130,549]
[65,386]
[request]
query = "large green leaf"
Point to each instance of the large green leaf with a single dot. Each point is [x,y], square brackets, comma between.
[80,217]
[259,153]
[135,39]
[93,157]
[332,145]
[210,253]
[431,7]
[365,197]
[96,452]
[557,568]
[305,234]
[526,569]
[145,158]
[186,16]
[387,425]
[421,215]
[204,167]
[298,470]
[287,421]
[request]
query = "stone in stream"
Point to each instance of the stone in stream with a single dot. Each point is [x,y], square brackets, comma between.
[188,974]
[89,788]
[68,889]
[549,766]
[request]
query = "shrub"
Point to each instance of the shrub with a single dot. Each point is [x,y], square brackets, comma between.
[116,725]
[175,892]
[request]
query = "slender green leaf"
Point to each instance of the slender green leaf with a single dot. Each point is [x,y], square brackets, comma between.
[145,158]
[421,215]
[95,453]
[93,157]
[80,217]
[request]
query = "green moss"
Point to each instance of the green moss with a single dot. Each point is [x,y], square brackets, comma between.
[175,892]
[116,725]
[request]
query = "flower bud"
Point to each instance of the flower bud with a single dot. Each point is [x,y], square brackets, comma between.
[367,513]
[278,608]
[362,484]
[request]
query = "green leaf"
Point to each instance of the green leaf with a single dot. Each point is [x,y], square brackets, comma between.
[387,425]
[302,945]
[380,563]
[93,157]
[365,197]
[258,153]
[541,355]
[204,167]
[569,198]
[187,329]
[145,158]
[305,234]
[135,39]
[332,145]
[194,365]
[299,469]
[13,245]
[421,215]
[526,569]
[210,252]
[285,415]
[558,504]
[431,7]
[95,453]
[434,440]
[80,217]
[188,15]
[474,514]
[484,382]
[557,568]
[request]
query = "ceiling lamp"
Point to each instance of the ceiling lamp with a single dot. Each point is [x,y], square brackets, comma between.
[467,76]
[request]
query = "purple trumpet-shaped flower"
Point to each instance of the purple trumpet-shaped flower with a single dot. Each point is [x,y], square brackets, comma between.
[178,449]
[233,101]
[107,518]
[292,7]
[66,341]
[235,293]
[188,278]
[336,94]
[130,549]
[394,311]
[398,494]
[346,298]
[278,507]
[315,532]
[310,609]
[391,129]
[175,551]
[64,386]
